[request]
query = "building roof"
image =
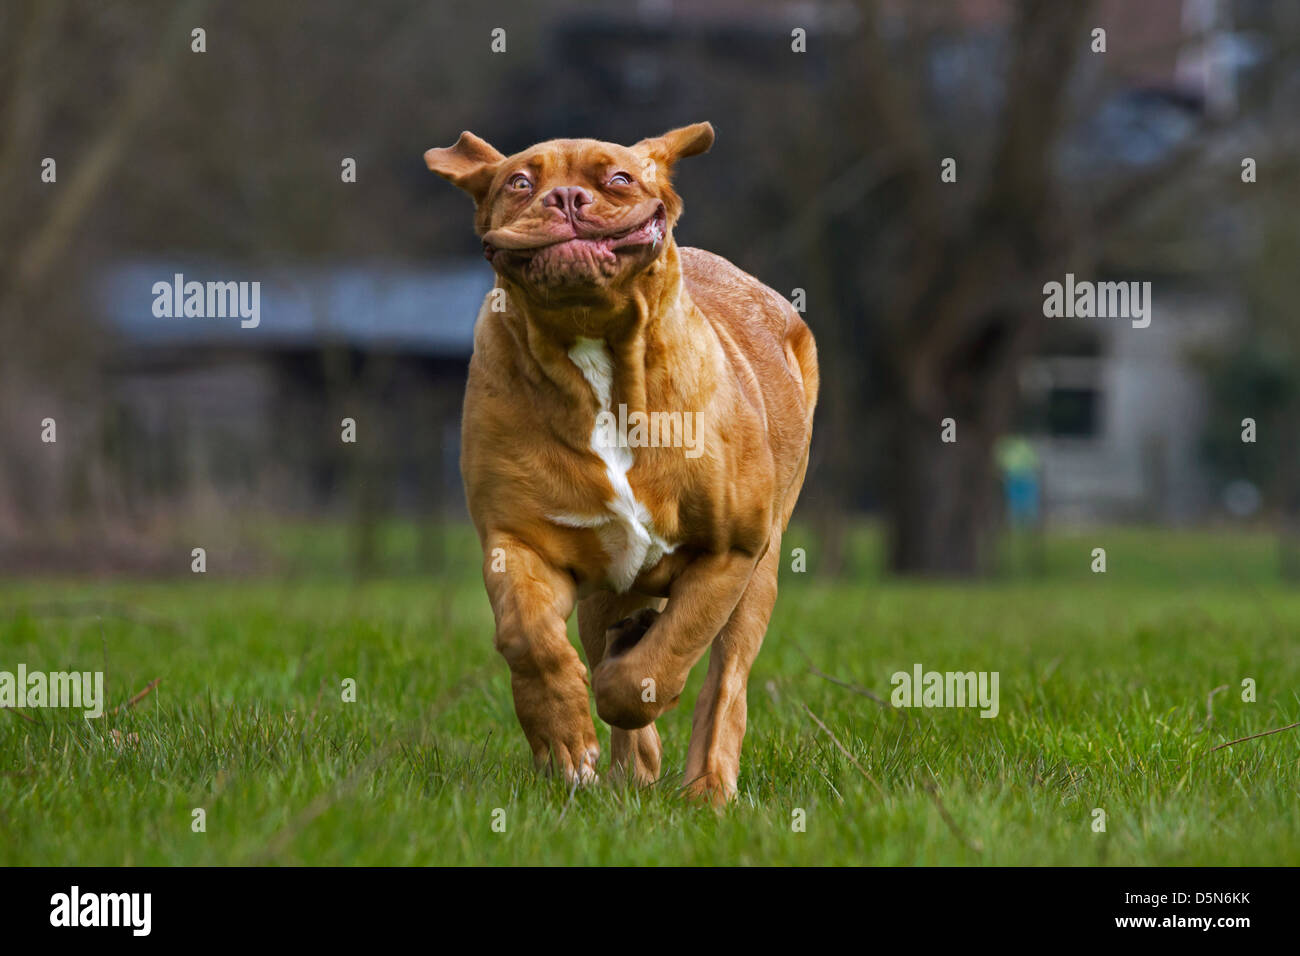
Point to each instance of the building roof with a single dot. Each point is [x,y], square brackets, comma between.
[424,311]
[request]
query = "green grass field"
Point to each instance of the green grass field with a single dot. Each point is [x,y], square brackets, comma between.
[1104,682]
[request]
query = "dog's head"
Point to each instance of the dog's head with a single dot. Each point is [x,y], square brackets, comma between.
[573,219]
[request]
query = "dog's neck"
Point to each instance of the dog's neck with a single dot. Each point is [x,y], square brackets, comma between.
[612,356]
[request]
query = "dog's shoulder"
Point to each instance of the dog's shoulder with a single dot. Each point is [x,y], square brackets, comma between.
[727,293]
[763,325]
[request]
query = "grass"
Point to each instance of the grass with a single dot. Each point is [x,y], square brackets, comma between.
[1104,682]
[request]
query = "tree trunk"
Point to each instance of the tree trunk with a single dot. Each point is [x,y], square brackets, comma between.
[942,504]
[943,494]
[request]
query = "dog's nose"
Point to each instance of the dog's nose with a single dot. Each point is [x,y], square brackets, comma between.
[569,200]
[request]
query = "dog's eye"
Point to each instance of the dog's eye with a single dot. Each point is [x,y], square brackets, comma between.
[519,181]
[620,179]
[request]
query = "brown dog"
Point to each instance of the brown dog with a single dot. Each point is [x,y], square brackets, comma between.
[599,322]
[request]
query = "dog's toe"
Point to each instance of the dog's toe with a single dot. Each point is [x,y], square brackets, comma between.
[577,765]
[585,771]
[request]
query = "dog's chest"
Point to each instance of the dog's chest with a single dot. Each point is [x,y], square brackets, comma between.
[625,527]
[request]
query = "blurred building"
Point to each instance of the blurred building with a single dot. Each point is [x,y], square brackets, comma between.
[1117,414]
[206,403]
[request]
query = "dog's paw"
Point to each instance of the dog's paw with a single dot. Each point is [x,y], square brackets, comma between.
[711,790]
[622,636]
[635,755]
[627,696]
[578,766]
[556,718]
[575,761]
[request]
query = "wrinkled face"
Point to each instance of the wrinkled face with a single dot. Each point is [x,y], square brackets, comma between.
[574,213]
[572,218]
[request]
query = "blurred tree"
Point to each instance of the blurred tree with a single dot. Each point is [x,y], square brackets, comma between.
[958,268]
[229,155]
[81,114]
[1258,375]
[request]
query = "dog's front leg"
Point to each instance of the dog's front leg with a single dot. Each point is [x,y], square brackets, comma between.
[632,753]
[636,684]
[531,601]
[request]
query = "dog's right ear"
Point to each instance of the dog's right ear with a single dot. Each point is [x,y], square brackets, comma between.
[470,164]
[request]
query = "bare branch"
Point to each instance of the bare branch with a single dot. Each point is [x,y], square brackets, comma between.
[92,171]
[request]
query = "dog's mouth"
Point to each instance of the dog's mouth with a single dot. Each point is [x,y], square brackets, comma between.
[595,247]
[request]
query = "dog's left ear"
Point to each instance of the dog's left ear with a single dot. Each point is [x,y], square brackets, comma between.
[677,144]
[470,164]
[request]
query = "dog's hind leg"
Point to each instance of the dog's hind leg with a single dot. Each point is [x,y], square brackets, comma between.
[635,753]
[718,724]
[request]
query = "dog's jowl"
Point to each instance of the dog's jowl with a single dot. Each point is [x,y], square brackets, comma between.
[636,433]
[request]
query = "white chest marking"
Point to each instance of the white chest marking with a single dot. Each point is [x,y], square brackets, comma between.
[626,529]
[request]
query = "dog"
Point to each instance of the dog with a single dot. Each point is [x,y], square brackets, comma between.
[668,548]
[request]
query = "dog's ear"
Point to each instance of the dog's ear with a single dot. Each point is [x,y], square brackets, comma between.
[659,154]
[677,144]
[470,164]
